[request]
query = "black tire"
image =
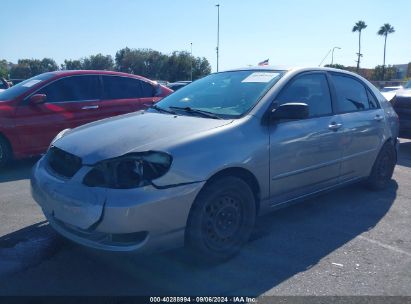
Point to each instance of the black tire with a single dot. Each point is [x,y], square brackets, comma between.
[5,152]
[221,220]
[383,168]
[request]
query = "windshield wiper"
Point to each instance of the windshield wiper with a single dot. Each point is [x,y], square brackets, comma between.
[155,107]
[197,111]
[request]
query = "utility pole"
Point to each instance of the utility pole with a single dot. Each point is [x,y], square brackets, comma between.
[218,32]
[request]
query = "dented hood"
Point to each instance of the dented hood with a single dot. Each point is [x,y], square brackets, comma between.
[135,132]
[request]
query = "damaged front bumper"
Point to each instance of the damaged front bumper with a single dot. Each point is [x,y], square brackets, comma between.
[142,219]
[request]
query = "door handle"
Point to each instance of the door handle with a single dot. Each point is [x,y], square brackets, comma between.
[378,118]
[334,126]
[90,107]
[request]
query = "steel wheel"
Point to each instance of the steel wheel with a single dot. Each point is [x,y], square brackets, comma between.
[221,219]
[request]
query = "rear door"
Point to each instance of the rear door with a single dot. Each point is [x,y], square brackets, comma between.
[71,101]
[124,95]
[363,125]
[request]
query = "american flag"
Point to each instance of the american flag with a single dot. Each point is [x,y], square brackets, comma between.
[265,62]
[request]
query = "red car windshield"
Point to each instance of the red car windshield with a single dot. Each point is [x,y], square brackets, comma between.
[24,86]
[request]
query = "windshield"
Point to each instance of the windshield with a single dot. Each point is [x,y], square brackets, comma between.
[226,94]
[24,86]
[408,85]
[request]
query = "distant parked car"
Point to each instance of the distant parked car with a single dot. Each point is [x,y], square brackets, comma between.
[389,92]
[178,85]
[162,82]
[3,84]
[402,105]
[35,110]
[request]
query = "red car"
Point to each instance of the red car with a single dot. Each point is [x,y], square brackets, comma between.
[34,111]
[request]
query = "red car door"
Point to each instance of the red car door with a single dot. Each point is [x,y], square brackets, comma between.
[70,102]
[123,95]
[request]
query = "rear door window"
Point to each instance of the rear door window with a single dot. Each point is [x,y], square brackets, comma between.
[73,89]
[351,94]
[116,87]
[311,89]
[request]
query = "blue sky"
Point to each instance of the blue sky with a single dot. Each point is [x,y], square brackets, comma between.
[288,32]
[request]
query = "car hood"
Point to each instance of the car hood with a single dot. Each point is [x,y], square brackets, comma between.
[135,132]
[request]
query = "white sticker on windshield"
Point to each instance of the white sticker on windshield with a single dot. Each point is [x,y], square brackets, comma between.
[261,77]
[31,83]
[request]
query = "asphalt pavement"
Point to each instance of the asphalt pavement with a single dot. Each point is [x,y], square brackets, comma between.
[348,242]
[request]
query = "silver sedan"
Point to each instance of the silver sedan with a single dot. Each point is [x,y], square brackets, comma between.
[199,167]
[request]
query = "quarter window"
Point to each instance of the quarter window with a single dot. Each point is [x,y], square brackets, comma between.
[147,89]
[311,89]
[75,88]
[372,101]
[351,94]
[116,87]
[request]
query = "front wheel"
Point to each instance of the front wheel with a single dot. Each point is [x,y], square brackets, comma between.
[221,219]
[383,168]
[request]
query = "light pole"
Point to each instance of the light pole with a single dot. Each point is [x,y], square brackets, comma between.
[218,32]
[191,61]
[325,57]
[332,54]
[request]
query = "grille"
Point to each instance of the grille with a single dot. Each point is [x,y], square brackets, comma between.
[63,163]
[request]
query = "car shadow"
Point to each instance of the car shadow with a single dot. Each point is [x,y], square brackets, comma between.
[284,243]
[405,154]
[17,170]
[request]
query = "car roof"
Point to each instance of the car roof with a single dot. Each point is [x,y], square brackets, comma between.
[291,68]
[98,72]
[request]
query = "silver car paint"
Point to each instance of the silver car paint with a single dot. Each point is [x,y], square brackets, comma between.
[288,160]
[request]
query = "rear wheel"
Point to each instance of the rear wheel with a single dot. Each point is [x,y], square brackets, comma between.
[383,168]
[5,152]
[221,220]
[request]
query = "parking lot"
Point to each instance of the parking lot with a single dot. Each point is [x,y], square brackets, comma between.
[348,242]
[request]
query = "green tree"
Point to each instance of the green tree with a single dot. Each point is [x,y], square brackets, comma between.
[48,65]
[382,73]
[144,62]
[72,65]
[336,66]
[4,68]
[26,68]
[98,62]
[179,66]
[201,68]
[385,30]
[155,65]
[20,71]
[358,27]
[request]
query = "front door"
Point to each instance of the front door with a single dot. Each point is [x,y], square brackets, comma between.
[71,102]
[305,154]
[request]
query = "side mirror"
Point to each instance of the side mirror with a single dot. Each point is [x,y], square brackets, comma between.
[37,99]
[292,110]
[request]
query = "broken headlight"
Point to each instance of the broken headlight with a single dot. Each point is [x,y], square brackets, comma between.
[129,171]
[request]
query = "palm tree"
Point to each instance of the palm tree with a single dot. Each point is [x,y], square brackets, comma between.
[384,31]
[358,27]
